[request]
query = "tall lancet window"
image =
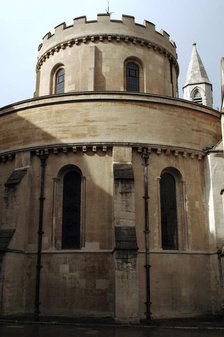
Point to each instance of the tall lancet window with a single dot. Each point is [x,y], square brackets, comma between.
[60,81]
[168,205]
[71,209]
[132,76]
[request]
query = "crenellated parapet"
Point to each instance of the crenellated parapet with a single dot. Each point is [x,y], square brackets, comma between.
[104,29]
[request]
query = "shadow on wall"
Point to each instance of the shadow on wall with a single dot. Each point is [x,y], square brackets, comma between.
[100,84]
[72,281]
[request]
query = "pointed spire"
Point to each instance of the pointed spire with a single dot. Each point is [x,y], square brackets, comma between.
[196,72]
[197,87]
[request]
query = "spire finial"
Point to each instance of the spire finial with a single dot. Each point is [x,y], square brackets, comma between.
[108,8]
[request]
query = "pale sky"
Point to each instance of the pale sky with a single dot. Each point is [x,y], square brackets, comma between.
[23,23]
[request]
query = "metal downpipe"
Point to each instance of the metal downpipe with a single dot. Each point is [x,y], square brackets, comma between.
[145,157]
[43,158]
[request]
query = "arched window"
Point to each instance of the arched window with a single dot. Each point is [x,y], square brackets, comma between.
[197,98]
[132,76]
[168,204]
[60,81]
[71,209]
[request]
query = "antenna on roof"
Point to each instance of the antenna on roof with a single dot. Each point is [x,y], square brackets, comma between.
[108,8]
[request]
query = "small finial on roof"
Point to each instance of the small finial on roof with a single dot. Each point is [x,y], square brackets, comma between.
[108,8]
[194,44]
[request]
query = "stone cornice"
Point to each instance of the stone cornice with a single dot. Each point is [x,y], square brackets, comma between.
[106,148]
[110,38]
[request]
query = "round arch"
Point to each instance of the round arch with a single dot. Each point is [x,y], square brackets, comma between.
[133,74]
[68,168]
[54,78]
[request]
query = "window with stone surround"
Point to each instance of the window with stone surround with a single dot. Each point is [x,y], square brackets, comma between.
[133,75]
[71,209]
[68,205]
[57,79]
[60,81]
[173,227]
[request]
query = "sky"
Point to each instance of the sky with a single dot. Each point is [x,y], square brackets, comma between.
[23,23]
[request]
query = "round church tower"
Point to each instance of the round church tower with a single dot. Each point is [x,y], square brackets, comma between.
[102,181]
[107,55]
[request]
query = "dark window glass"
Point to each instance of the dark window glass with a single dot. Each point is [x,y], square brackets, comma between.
[71,210]
[60,81]
[168,211]
[132,77]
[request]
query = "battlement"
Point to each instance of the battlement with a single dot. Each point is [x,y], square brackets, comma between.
[105,26]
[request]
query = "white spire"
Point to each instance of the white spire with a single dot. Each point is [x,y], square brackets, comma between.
[196,72]
[197,87]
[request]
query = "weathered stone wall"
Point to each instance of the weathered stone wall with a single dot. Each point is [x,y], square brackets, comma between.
[194,233]
[180,284]
[13,283]
[73,283]
[107,119]
[110,279]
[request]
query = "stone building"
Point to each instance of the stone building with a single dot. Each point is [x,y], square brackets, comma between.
[110,201]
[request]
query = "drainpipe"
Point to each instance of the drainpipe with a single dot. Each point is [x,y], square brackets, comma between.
[145,157]
[43,158]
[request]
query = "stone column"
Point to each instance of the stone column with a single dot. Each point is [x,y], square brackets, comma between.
[91,79]
[125,252]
